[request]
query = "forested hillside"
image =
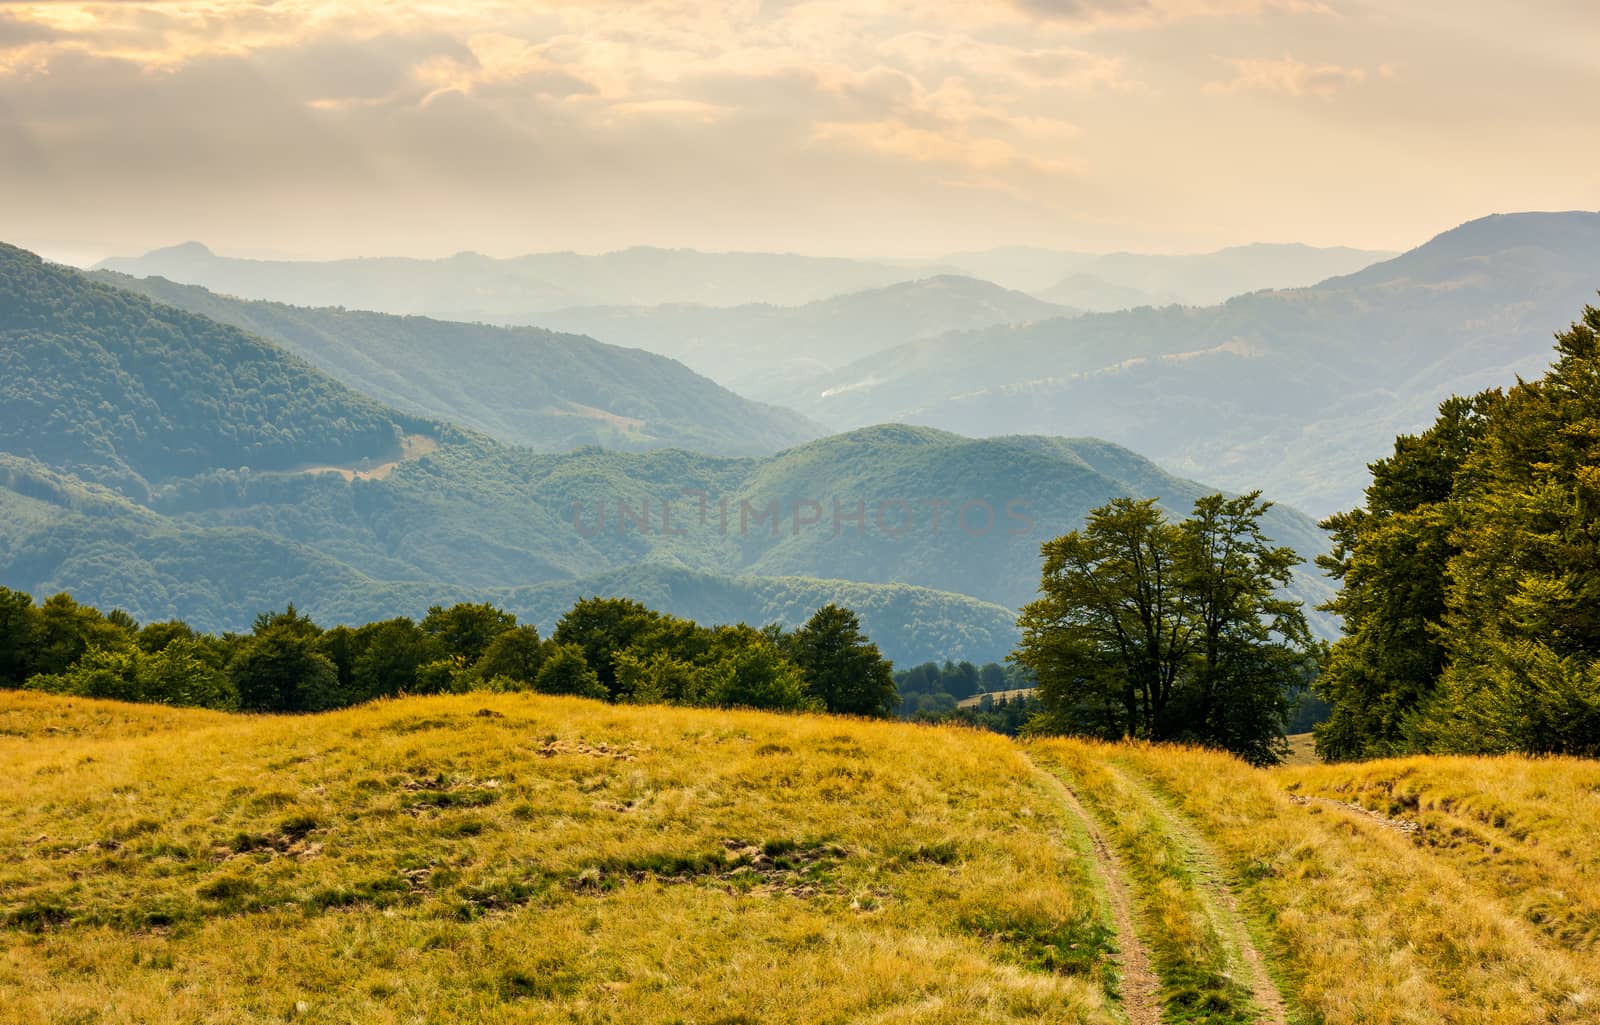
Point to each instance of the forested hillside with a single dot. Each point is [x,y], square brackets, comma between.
[114,388]
[1290,391]
[888,510]
[527,386]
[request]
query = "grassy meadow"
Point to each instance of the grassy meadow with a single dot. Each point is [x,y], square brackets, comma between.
[532,859]
[512,858]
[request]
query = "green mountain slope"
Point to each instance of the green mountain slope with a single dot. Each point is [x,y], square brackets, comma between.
[527,386]
[116,388]
[465,517]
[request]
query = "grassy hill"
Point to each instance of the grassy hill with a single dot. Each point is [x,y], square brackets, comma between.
[517,858]
[525,386]
[1293,391]
[509,859]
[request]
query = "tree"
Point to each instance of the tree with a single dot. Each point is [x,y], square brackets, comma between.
[565,671]
[1252,648]
[290,621]
[517,654]
[107,673]
[660,677]
[66,630]
[155,636]
[185,672]
[466,628]
[1521,629]
[1168,631]
[1108,636]
[19,636]
[843,669]
[281,670]
[752,673]
[603,627]
[389,655]
[1391,560]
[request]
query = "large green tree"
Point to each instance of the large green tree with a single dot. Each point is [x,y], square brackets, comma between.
[602,628]
[1471,581]
[843,669]
[281,668]
[467,628]
[19,636]
[1522,624]
[1390,559]
[1149,629]
[566,671]
[517,655]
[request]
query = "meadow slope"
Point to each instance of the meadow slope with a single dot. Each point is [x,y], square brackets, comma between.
[513,858]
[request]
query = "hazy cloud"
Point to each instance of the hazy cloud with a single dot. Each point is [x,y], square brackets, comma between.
[842,125]
[1292,77]
[1096,13]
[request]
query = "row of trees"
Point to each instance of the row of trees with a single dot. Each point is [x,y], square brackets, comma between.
[1471,579]
[609,649]
[931,691]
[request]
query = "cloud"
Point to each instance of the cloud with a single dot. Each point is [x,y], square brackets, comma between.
[1292,77]
[525,123]
[15,32]
[1133,13]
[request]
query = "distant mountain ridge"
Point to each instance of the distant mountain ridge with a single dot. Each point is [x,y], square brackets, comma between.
[527,386]
[764,349]
[470,286]
[1101,282]
[516,290]
[1293,391]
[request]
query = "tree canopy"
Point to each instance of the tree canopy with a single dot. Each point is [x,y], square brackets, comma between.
[1471,580]
[607,649]
[1168,631]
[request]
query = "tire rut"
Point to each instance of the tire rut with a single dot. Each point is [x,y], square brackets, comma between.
[1138,986]
[1222,904]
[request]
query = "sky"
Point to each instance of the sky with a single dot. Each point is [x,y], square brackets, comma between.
[314,129]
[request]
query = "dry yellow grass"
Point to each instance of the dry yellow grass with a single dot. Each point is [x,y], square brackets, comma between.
[510,858]
[1367,924]
[1523,832]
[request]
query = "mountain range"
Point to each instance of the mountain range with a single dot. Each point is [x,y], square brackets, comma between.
[527,386]
[212,475]
[471,286]
[1100,282]
[1293,390]
[518,290]
[762,349]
